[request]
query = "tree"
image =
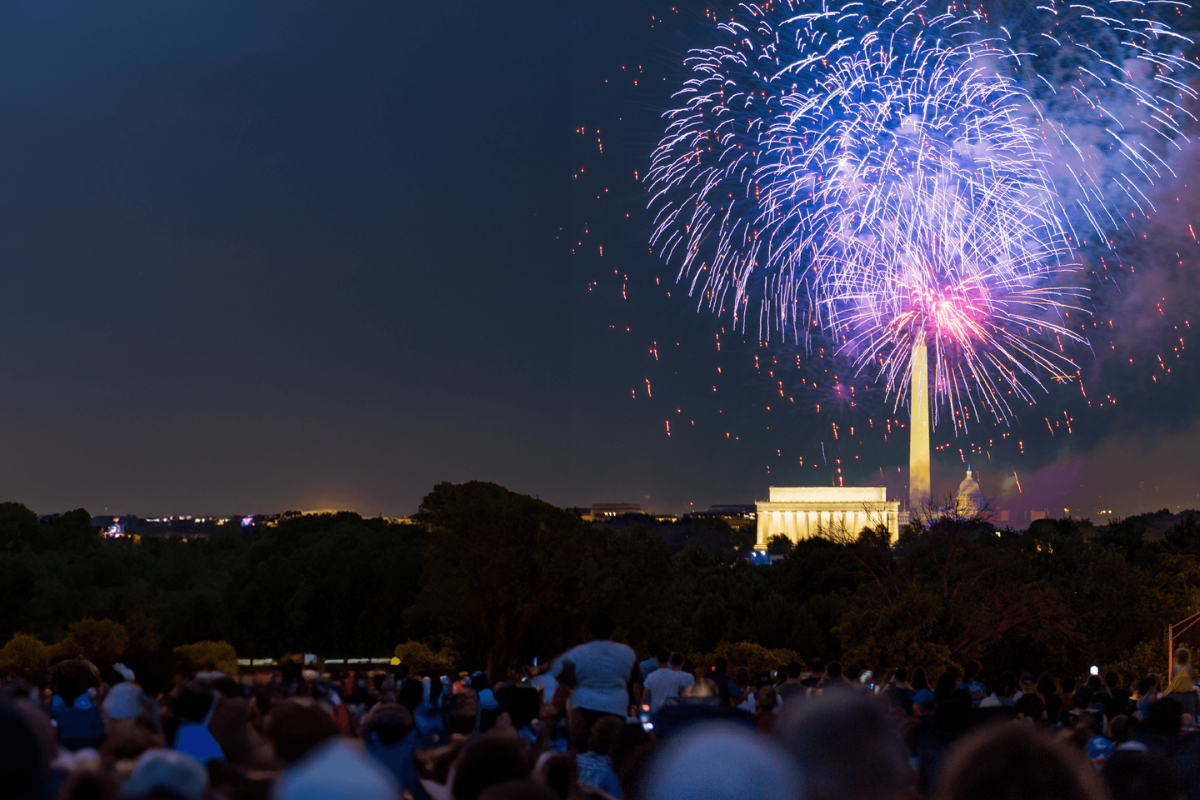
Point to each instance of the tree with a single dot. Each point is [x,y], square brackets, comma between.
[27,656]
[901,633]
[1126,535]
[98,640]
[207,655]
[333,584]
[981,588]
[779,545]
[18,527]
[751,655]
[421,657]
[1147,656]
[513,577]
[1184,536]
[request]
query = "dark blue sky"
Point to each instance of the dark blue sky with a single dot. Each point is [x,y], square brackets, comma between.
[278,255]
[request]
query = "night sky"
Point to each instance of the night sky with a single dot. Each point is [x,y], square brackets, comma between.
[274,255]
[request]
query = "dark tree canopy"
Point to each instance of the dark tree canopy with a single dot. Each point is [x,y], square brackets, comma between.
[514,577]
[503,578]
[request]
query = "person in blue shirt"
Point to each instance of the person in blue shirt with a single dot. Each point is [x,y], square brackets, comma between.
[78,720]
[969,682]
[390,737]
[596,765]
[193,708]
[726,686]
[417,695]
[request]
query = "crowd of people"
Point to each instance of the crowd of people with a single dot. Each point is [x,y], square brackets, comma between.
[596,722]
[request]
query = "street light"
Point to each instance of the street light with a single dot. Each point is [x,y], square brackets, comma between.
[1186,623]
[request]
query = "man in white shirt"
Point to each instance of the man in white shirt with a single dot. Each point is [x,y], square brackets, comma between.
[603,672]
[663,684]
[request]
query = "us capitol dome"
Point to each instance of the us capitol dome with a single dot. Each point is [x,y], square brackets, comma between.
[969,501]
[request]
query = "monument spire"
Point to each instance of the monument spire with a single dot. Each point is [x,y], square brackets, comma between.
[918,432]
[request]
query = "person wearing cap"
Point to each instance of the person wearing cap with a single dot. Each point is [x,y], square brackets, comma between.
[924,705]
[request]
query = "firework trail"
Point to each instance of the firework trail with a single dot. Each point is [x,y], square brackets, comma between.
[884,177]
[1110,92]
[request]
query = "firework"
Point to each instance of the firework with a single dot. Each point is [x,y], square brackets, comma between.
[894,178]
[1109,84]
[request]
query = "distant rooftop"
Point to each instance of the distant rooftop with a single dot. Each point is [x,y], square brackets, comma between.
[615,509]
[828,494]
[732,508]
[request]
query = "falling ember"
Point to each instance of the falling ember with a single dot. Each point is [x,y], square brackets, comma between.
[1018,480]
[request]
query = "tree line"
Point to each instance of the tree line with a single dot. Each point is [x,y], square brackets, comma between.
[501,578]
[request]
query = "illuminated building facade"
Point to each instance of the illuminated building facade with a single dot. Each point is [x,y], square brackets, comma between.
[801,512]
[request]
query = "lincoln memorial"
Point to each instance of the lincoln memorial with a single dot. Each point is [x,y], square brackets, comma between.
[800,512]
